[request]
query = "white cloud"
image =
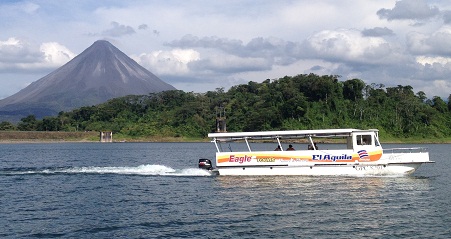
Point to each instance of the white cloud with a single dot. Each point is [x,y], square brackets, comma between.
[438,43]
[447,17]
[275,50]
[349,45]
[56,54]
[409,9]
[118,30]
[19,55]
[224,63]
[15,52]
[143,27]
[377,31]
[440,88]
[424,60]
[174,62]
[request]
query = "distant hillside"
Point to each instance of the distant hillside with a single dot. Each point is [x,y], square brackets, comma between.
[99,73]
[288,103]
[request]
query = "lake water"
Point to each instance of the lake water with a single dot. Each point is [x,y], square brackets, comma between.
[154,190]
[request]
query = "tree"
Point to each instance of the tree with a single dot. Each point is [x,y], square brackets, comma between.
[28,123]
[48,124]
[7,126]
[353,89]
[439,104]
[421,95]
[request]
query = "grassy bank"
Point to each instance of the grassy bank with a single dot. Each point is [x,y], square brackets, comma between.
[47,136]
[414,140]
[127,138]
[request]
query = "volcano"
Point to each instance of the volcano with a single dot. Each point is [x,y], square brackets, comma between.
[99,73]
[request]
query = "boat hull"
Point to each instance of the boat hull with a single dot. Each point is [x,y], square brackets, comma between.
[322,170]
[404,163]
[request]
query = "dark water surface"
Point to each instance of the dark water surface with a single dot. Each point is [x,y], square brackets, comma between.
[154,190]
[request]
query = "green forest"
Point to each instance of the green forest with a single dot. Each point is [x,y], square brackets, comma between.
[306,101]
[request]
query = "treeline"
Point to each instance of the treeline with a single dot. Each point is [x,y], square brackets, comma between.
[298,102]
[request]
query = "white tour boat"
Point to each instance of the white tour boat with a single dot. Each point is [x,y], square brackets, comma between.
[360,154]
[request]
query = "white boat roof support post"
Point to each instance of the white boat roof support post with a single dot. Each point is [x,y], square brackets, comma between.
[278,143]
[311,141]
[216,145]
[247,143]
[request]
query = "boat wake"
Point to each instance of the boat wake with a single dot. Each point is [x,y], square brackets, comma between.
[148,169]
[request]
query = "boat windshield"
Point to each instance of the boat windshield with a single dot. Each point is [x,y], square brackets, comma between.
[364,140]
[376,141]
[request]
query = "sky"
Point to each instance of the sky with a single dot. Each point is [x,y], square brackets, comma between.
[202,45]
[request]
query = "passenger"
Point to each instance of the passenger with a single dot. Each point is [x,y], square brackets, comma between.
[290,147]
[312,147]
[278,148]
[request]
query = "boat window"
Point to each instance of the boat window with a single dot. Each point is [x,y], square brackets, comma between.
[364,140]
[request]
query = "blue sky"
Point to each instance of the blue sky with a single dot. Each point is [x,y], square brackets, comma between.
[202,45]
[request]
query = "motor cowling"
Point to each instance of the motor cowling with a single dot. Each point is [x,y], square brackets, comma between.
[205,164]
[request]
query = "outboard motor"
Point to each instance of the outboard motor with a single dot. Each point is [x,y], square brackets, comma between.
[205,164]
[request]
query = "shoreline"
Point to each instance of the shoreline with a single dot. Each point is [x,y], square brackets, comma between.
[18,137]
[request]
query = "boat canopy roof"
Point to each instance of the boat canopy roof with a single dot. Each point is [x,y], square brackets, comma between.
[288,134]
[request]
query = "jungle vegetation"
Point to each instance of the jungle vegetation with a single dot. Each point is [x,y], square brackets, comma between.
[306,101]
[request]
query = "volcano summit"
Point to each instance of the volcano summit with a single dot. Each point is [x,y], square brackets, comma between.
[99,73]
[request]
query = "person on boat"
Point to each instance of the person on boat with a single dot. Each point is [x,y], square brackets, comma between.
[278,148]
[290,147]
[364,141]
[312,147]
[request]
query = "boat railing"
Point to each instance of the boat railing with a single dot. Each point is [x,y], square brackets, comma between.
[406,150]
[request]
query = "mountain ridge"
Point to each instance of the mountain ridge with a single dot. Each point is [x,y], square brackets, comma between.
[101,72]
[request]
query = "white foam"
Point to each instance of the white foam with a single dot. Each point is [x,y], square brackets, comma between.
[142,170]
[195,172]
[147,169]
